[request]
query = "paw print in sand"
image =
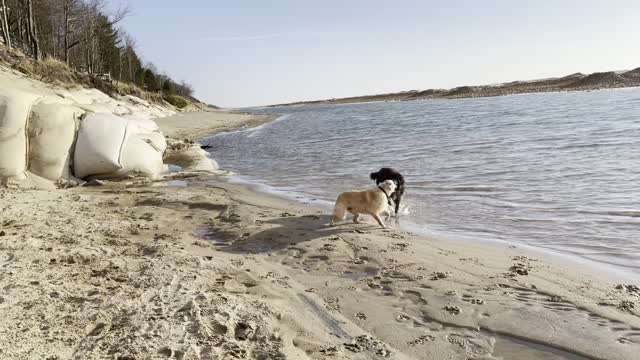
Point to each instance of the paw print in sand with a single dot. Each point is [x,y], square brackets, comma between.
[453,310]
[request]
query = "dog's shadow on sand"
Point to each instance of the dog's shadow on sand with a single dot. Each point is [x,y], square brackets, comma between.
[290,231]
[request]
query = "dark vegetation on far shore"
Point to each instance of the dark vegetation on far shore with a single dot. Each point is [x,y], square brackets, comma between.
[573,82]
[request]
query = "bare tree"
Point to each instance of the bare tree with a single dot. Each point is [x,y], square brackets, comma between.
[184,89]
[85,34]
[67,7]
[130,53]
[33,31]
[4,24]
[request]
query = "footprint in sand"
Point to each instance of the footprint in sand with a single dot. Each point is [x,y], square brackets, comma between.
[243,331]
[403,246]
[627,306]
[295,252]
[332,303]
[633,289]
[469,298]
[361,316]
[421,340]
[519,269]
[328,247]
[453,310]
[473,346]
[330,351]
[574,314]
[364,343]
[439,275]
[359,261]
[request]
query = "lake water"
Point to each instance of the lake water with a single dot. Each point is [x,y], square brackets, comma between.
[558,170]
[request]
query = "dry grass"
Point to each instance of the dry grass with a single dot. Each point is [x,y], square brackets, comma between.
[53,71]
[56,72]
[130,89]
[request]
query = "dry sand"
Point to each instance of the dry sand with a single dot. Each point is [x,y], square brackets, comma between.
[200,124]
[216,271]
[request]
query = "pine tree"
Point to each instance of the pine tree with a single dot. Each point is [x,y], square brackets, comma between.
[150,81]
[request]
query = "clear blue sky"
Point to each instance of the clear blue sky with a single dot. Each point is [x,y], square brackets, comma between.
[244,53]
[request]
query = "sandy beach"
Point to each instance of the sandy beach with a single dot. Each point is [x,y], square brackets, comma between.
[197,268]
[200,124]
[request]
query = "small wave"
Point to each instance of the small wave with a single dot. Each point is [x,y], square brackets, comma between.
[466,189]
[251,132]
[593,145]
[625,213]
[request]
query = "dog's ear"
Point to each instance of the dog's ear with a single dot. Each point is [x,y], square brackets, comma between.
[373,176]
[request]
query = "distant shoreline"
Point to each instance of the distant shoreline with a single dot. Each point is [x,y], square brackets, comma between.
[573,82]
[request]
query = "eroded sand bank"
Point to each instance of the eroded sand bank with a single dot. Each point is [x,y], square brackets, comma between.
[215,271]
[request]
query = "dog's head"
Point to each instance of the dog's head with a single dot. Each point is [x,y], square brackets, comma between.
[387,174]
[389,186]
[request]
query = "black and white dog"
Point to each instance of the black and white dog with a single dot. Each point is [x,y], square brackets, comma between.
[390,174]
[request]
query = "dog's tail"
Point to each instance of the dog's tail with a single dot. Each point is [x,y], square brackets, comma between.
[339,212]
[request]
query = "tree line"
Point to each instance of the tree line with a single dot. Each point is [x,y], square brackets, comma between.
[84,35]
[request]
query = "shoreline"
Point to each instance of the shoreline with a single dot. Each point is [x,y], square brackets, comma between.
[554,258]
[213,269]
[611,271]
[198,125]
[571,83]
[260,188]
[323,102]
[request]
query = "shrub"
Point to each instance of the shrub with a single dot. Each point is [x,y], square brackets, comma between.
[151,82]
[167,88]
[176,101]
[103,86]
[139,78]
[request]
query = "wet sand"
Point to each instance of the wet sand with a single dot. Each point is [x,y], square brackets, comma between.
[216,270]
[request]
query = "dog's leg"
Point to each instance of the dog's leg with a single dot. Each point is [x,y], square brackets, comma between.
[356,218]
[379,220]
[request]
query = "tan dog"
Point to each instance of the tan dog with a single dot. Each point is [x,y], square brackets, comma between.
[371,202]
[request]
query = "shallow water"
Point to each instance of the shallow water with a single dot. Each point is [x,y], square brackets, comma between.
[559,170]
